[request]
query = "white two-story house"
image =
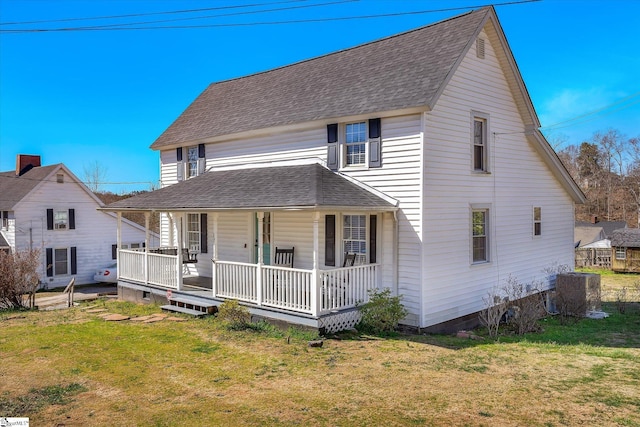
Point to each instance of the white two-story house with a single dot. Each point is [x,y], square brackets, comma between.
[413,162]
[47,208]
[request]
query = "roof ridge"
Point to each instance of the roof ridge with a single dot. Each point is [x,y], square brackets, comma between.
[302,61]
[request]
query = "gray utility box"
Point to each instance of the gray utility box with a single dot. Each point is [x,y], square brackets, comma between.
[577,293]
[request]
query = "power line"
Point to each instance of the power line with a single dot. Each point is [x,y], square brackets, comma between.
[123,25]
[297,21]
[134,15]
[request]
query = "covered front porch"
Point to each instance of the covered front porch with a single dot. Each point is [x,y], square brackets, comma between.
[224,244]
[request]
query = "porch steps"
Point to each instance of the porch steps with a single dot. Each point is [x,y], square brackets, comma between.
[190,306]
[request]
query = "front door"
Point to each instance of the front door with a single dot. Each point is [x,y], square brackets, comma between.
[266,239]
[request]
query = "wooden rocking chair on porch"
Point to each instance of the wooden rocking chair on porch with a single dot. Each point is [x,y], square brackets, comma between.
[284,257]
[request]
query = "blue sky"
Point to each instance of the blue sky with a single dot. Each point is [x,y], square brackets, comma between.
[80,97]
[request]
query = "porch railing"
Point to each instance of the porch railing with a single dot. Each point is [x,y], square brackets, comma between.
[298,290]
[161,269]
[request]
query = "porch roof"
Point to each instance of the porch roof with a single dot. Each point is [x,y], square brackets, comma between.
[284,187]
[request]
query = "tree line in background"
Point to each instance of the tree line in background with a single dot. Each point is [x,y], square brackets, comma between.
[108,197]
[607,169]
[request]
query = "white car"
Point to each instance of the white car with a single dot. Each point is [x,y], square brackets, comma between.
[107,274]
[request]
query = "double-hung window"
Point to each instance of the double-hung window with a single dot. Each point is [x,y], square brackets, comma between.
[193,232]
[537,221]
[356,143]
[480,142]
[5,220]
[60,262]
[60,219]
[480,235]
[192,161]
[621,253]
[354,236]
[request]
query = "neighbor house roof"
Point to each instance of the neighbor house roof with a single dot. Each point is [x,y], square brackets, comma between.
[608,227]
[627,237]
[283,187]
[407,70]
[584,235]
[14,188]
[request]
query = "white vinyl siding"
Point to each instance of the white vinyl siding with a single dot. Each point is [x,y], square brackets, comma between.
[453,287]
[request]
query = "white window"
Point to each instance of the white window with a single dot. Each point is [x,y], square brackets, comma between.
[5,220]
[60,262]
[537,221]
[621,253]
[354,236]
[60,219]
[192,161]
[480,235]
[480,142]
[356,143]
[193,232]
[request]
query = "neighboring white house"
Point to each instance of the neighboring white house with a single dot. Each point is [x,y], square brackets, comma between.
[49,209]
[419,152]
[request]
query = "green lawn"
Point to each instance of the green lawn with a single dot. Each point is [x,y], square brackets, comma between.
[73,368]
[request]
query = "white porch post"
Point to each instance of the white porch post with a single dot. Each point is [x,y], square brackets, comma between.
[118,242]
[214,259]
[146,247]
[315,276]
[260,259]
[179,232]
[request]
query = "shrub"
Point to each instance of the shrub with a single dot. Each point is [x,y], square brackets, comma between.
[234,315]
[526,305]
[495,309]
[18,278]
[382,313]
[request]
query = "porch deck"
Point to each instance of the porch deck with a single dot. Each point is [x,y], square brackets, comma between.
[298,296]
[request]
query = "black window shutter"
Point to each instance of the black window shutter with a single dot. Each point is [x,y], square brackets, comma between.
[330,240]
[179,154]
[375,144]
[374,128]
[49,219]
[201,151]
[72,219]
[74,264]
[332,146]
[373,234]
[203,233]
[49,262]
[114,251]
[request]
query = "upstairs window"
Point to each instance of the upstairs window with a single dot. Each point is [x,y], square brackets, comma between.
[5,220]
[60,220]
[356,143]
[537,221]
[192,162]
[479,145]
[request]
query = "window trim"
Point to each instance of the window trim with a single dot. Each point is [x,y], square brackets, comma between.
[487,233]
[623,250]
[537,223]
[477,116]
[365,143]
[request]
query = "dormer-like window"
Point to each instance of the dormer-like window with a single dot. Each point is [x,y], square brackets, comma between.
[194,164]
[60,178]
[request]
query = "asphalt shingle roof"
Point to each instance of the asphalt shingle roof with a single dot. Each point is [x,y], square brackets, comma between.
[14,188]
[402,71]
[626,237]
[303,186]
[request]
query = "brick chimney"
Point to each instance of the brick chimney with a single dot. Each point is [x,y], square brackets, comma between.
[25,162]
[594,219]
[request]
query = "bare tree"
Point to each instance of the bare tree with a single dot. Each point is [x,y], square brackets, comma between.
[95,175]
[18,277]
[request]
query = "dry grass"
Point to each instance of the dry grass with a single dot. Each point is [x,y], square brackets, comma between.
[198,373]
